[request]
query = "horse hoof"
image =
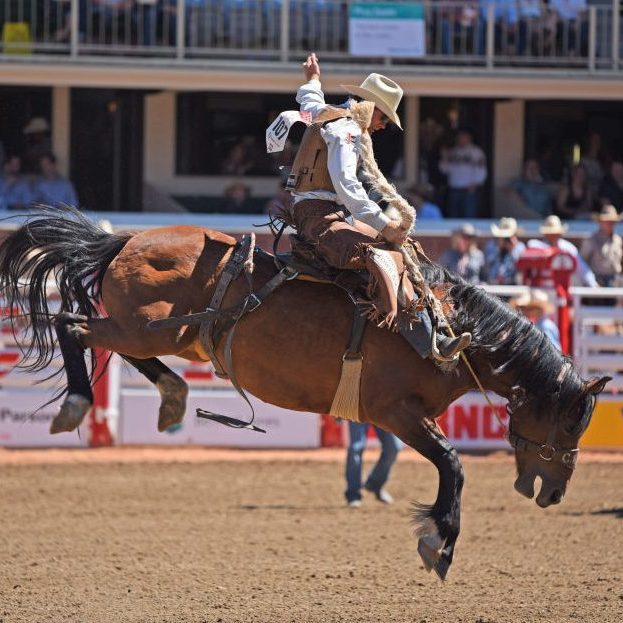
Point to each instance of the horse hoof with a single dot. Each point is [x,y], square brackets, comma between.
[71,414]
[429,555]
[430,544]
[174,392]
[170,413]
[442,566]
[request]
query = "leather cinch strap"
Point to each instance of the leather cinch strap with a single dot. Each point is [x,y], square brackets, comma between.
[232,270]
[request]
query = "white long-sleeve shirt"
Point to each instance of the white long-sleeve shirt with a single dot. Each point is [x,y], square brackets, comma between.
[342,137]
[465,167]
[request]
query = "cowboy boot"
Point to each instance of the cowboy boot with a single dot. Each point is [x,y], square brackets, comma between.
[449,347]
[427,342]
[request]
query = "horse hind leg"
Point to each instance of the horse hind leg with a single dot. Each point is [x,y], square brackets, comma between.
[79,394]
[108,334]
[173,389]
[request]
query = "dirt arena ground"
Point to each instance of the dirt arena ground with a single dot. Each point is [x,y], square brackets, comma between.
[207,536]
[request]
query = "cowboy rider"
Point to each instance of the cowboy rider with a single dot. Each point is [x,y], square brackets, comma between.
[324,185]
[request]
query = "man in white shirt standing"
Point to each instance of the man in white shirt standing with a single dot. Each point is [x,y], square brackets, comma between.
[466,167]
[325,190]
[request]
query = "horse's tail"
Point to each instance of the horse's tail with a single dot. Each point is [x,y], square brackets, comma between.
[56,247]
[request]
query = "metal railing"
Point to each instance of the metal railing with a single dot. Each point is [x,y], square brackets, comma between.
[467,33]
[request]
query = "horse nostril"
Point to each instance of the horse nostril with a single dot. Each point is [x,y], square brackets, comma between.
[556,496]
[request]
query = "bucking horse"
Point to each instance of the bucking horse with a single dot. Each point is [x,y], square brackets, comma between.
[289,346]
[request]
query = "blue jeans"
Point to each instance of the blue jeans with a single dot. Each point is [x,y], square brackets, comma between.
[463,203]
[390,445]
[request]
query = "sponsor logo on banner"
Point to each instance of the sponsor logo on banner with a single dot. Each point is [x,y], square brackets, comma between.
[25,423]
[471,424]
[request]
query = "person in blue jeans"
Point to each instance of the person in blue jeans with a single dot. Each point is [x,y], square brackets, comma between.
[377,478]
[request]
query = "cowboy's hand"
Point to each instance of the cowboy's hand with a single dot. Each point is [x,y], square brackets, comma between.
[311,67]
[394,233]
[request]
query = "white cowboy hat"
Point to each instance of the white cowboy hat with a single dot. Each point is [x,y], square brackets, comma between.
[385,94]
[534,298]
[608,213]
[35,125]
[553,225]
[467,230]
[506,227]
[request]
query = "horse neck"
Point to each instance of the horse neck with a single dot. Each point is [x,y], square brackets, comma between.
[484,374]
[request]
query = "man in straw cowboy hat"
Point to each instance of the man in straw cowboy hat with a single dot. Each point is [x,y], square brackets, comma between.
[603,251]
[537,308]
[464,257]
[326,192]
[553,230]
[501,254]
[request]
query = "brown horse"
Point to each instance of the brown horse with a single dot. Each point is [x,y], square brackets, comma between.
[288,352]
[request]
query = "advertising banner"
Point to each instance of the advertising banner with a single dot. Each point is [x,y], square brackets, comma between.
[25,424]
[284,429]
[606,428]
[471,424]
[387,29]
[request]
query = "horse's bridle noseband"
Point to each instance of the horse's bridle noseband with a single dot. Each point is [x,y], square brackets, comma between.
[548,451]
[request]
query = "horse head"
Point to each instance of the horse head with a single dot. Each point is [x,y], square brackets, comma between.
[546,444]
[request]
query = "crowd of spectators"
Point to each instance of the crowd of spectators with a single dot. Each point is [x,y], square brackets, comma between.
[32,177]
[598,261]
[521,27]
[456,166]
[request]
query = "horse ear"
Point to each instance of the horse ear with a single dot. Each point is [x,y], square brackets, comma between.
[596,386]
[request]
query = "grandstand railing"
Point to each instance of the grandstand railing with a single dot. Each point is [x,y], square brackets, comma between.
[458,33]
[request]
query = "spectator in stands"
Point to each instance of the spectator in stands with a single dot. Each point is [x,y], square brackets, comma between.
[502,253]
[591,162]
[237,199]
[38,143]
[107,12]
[237,161]
[571,26]
[466,167]
[538,309]
[110,10]
[530,26]
[378,476]
[280,203]
[574,200]
[530,191]
[62,23]
[145,17]
[552,230]
[51,187]
[505,16]
[458,25]
[15,190]
[420,196]
[464,257]
[603,251]
[611,190]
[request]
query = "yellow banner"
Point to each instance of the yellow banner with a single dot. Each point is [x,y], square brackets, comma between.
[606,427]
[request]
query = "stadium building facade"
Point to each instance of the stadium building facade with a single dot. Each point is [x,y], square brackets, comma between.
[147,103]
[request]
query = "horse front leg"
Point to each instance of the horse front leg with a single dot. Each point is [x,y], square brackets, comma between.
[437,526]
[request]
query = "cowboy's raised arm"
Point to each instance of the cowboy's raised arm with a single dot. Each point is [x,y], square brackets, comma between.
[310,95]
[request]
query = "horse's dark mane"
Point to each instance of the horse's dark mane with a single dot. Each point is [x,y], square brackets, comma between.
[511,343]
